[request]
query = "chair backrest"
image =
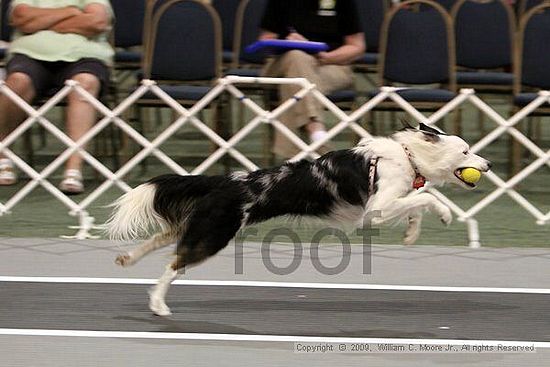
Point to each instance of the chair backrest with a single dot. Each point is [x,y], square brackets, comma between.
[247,30]
[525,5]
[151,7]
[447,4]
[371,14]
[185,42]
[5,29]
[484,32]
[129,22]
[227,10]
[533,56]
[417,47]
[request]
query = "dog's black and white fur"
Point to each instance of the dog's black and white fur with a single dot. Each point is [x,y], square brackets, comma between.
[203,213]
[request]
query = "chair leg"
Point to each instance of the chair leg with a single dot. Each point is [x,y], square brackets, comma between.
[268,135]
[28,146]
[457,126]
[220,127]
[393,121]
[269,156]
[42,132]
[123,140]
[481,122]
[515,157]
[119,140]
[115,139]
[537,133]
[158,120]
[515,152]
[372,121]
[141,129]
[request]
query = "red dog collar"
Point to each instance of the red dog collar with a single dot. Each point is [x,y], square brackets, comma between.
[419,180]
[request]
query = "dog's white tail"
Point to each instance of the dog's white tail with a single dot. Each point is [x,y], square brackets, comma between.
[134,215]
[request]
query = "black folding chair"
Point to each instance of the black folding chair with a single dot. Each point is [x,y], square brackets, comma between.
[5,29]
[227,10]
[183,54]
[447,4]
[128,33]
[371,13]
[247,30]
[127,39]
[525,5]
[417,50]
[531,69]
[485,33]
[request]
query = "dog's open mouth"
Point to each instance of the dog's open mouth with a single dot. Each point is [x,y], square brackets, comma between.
[458,174]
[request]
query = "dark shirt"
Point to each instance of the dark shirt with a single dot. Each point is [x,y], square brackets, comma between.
[317,20]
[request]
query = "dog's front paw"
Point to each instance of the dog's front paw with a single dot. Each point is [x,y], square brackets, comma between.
[413,231]
[410,238]
[445,215]
[124,260]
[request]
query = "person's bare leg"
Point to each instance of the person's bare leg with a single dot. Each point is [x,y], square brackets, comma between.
[10,114]
[81,115]
[313,126]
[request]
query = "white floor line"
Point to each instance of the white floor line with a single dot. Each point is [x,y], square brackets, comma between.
[238,283]
[262,338]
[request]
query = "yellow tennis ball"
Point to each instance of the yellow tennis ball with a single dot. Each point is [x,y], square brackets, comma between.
[470,175]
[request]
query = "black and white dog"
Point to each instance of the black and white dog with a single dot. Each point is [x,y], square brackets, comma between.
[203,213]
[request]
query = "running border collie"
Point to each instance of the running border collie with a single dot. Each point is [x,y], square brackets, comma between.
[203,213]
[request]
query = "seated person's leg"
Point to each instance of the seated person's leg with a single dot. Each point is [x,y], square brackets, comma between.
[307,113]
[330,78]
[92,75]
[303,115]
[26,77]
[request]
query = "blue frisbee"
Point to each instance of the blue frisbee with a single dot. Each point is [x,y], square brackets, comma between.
[277,46]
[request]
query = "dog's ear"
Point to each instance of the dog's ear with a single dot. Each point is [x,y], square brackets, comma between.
[407,125]
[431,137]
[431,134]
[430,129]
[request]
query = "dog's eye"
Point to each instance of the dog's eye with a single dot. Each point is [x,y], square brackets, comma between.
[465,152]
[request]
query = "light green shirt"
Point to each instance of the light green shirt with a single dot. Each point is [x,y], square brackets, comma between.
[52,46]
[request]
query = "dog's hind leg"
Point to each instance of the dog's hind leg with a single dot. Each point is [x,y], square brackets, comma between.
[413,228]
[158,240]
[157,294]
[185,256]
[210,228]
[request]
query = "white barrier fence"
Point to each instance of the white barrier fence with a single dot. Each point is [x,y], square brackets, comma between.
[263,116]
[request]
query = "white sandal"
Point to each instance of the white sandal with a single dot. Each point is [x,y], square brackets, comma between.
[7,172]
[72,182]
[318,135]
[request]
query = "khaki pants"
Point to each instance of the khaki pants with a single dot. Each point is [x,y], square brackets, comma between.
[298,64]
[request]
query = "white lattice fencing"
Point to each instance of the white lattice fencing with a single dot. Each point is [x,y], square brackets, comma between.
[262,116]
